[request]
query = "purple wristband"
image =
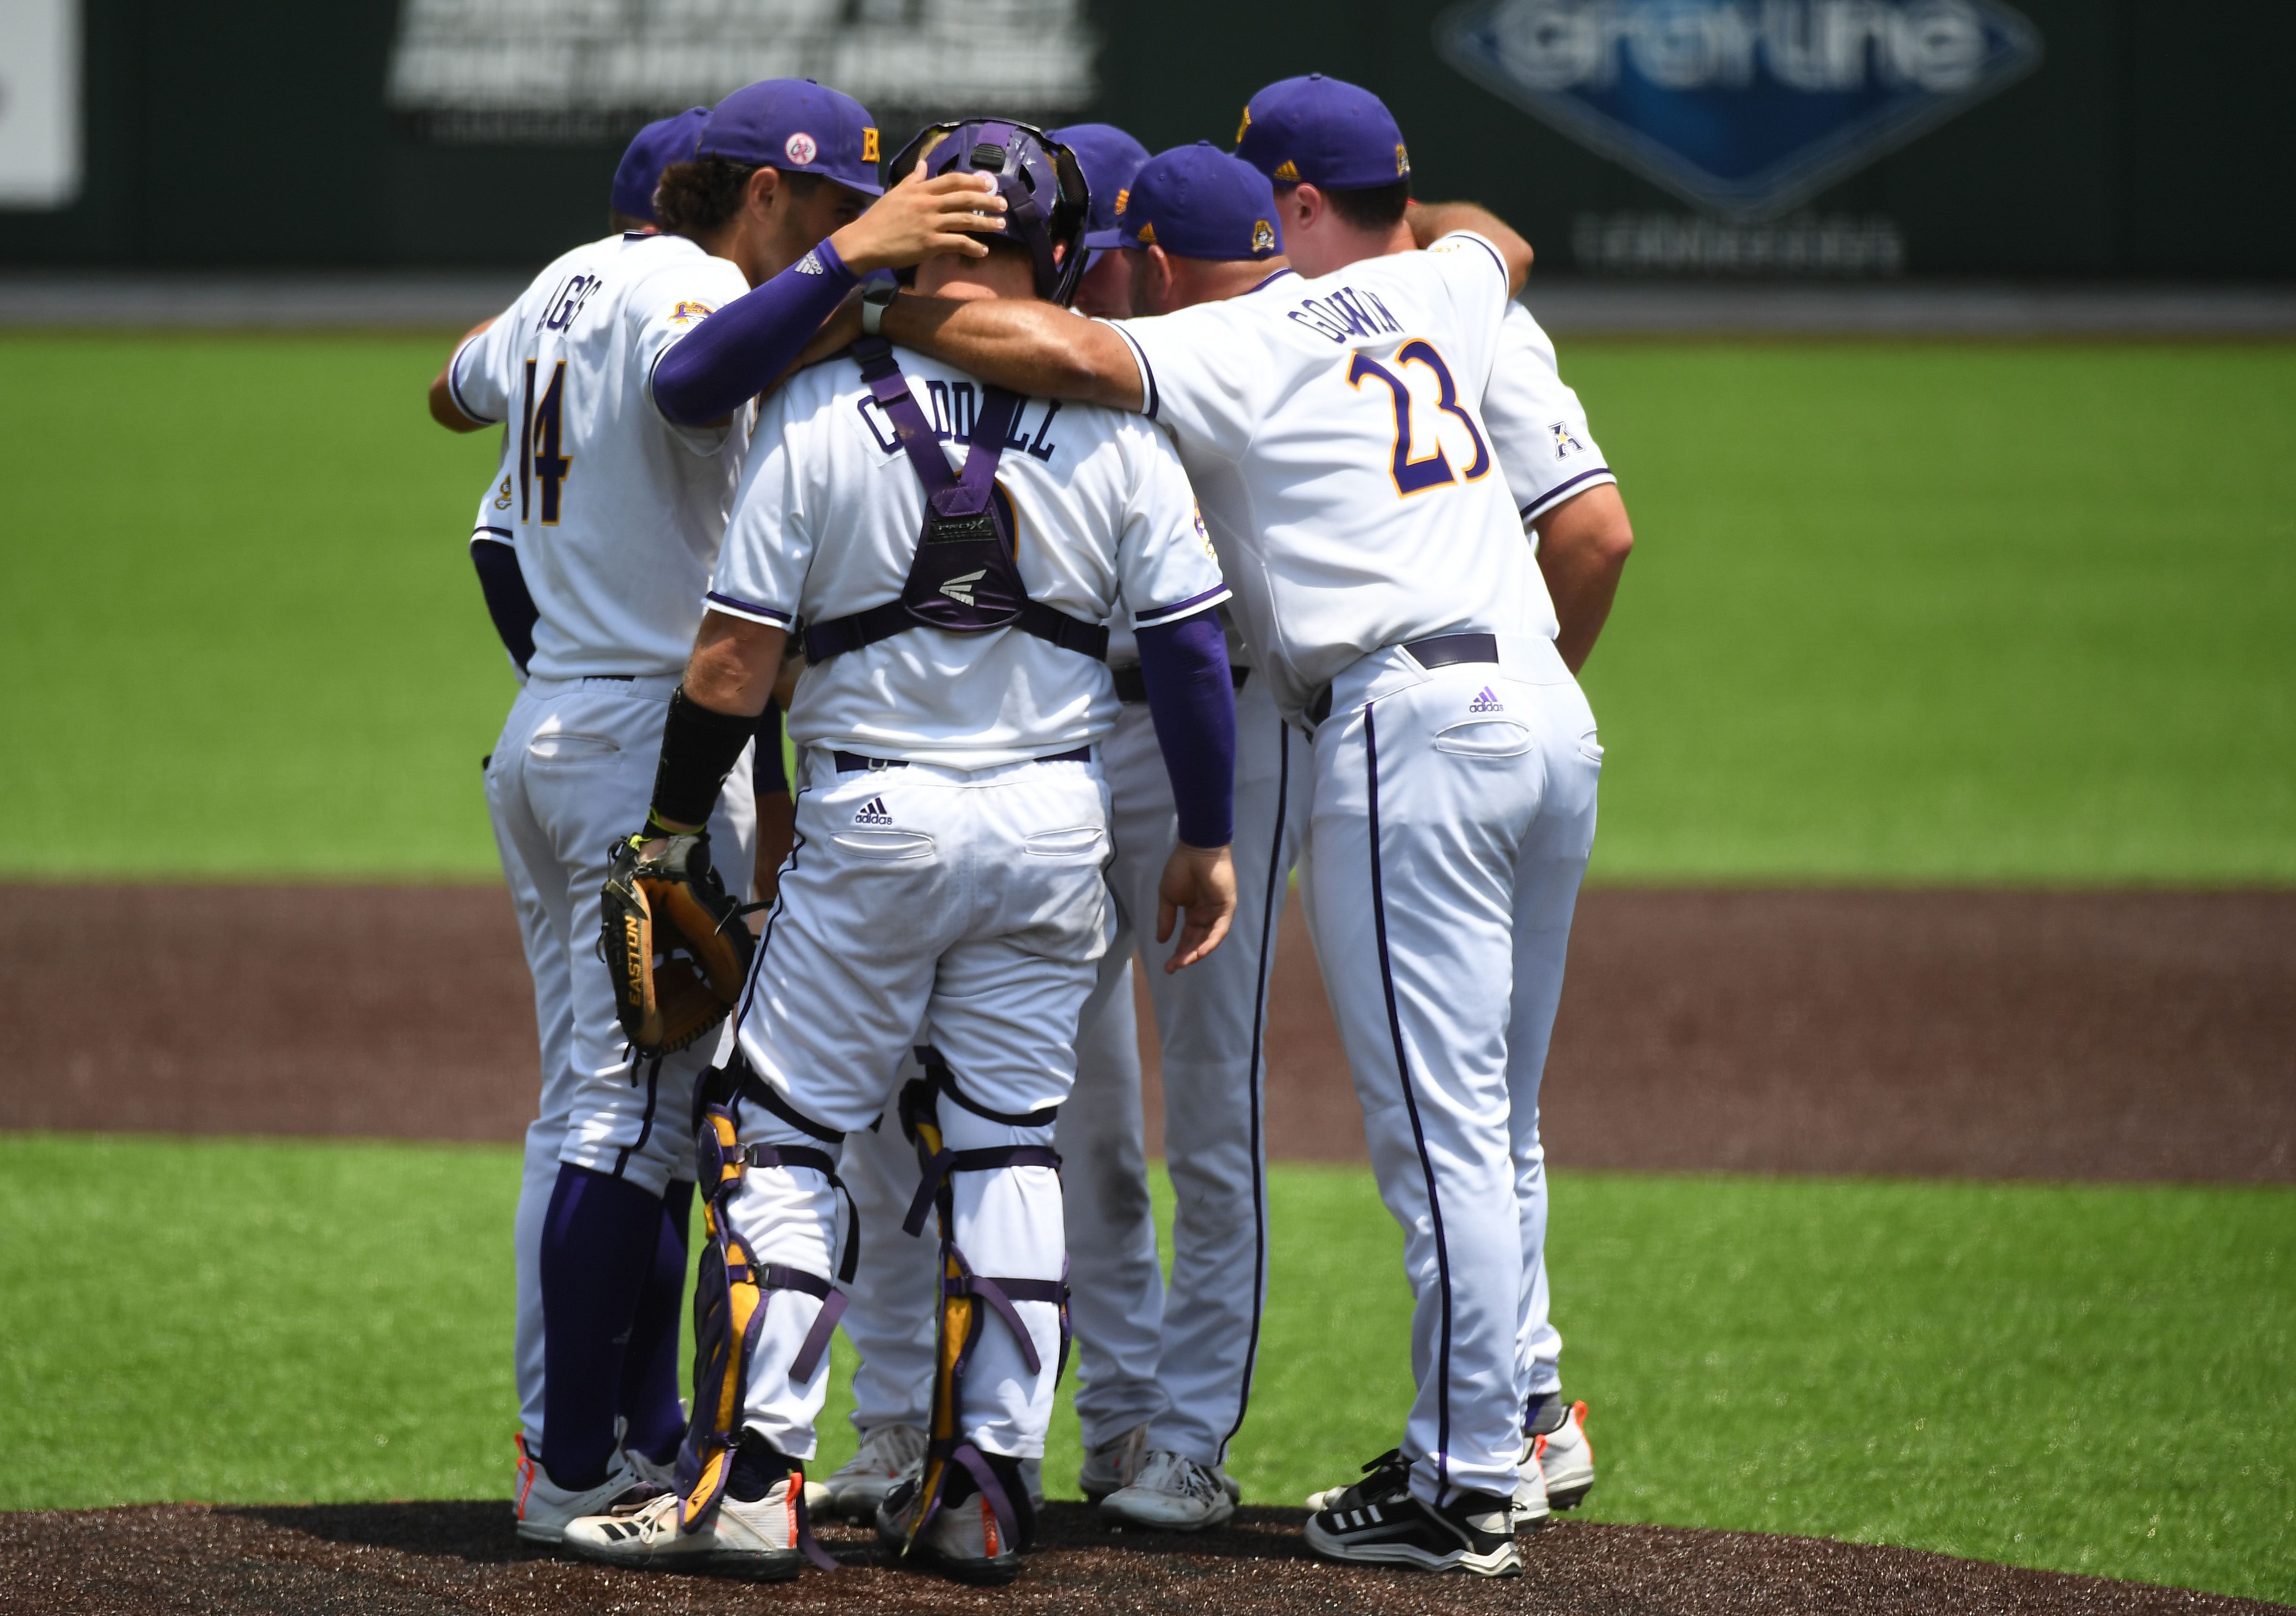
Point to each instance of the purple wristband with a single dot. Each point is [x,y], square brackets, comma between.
[742,349]
[1192,698]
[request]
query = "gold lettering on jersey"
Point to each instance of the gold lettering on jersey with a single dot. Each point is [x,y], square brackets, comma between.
[502,496]
[1346,313]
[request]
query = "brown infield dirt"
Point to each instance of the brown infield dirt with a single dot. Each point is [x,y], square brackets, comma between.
[1977,1034]
[2096,1035]
[417,1559]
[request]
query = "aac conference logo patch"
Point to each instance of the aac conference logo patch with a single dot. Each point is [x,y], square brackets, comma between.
[1744,107]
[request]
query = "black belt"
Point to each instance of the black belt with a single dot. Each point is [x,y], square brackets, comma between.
[1132,685]
[1436,651]
[853,763]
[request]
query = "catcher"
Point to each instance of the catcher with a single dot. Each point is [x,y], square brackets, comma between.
[951,834]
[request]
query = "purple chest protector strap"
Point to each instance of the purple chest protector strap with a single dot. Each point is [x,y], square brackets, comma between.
[965,578]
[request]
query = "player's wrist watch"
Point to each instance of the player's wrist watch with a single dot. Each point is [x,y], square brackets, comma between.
[875,300]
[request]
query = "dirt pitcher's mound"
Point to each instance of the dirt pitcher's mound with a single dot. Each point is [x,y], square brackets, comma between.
[416,1559]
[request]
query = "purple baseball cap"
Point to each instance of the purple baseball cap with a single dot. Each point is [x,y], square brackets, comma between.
[657,146]
[1324,131]
[1108,158]
[1198,202]
[798,126]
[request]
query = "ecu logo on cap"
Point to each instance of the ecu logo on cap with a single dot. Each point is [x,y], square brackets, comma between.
[1402,162]
[1263,236]
[1287,172]
[868,144]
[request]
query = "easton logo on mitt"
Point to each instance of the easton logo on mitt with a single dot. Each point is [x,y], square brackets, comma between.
[673,942]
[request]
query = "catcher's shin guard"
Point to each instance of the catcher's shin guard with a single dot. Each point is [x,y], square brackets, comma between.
[731,1294]
[966,1300]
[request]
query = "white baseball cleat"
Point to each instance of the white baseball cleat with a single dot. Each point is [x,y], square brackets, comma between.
[889,1455]
[1531,1510]
[1565,1458]
[1172,1493]
[963,1540]
[545,1508]
[1113,1465]
[757,1540]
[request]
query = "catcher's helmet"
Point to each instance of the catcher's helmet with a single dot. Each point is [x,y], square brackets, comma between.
[1047,202]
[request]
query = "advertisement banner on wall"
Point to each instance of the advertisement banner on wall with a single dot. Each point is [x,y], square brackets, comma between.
[545,71]
[39,103]
[1746,109]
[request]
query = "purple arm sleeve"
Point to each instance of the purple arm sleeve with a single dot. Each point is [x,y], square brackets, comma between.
[767,771]
[508,603]
[1192,700]
[741,350]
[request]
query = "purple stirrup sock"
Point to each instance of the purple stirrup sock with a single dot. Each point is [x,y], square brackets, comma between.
[650,1367]
[598,1245]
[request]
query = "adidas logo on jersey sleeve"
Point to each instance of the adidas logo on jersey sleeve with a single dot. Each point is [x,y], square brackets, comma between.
[874,812]
[1486,701]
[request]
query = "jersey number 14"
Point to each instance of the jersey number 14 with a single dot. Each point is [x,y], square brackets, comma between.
[540,437]
[1416,474]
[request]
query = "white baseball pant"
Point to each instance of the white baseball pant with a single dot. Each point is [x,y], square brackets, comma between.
[1200,1338]
[1453,810]
[969,903]
[570,776]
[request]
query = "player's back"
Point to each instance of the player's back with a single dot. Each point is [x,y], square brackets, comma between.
[616,514]
[1331,430]
[827,523]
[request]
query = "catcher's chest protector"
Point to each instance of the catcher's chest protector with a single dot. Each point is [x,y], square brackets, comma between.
[966,577]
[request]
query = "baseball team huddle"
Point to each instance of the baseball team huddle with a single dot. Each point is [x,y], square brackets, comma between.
[1118,537]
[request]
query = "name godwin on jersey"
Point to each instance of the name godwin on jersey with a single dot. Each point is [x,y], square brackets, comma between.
[1331,428]
[826,522]
[615,513]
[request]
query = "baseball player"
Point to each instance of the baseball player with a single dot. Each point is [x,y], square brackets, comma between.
[1118,1280]
[651,1416]
[623,447]
[1568,502]
[1332,430]
[1197,224]
[952,830]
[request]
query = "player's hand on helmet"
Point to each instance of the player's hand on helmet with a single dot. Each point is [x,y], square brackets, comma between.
[1201,883]
[920,218]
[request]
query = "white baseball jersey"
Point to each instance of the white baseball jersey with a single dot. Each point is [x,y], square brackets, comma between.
[827,524]
[616,514]
[1538,428]
[1333,433]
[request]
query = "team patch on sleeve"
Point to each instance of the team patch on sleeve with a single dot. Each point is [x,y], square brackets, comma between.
[690,309]
[1566,442]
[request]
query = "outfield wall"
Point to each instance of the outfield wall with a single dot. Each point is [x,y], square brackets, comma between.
[2125,141]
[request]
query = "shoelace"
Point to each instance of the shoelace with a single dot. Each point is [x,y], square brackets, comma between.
[1388,1473]
[1195,1481]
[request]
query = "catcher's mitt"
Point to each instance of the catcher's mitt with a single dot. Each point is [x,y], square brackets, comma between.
[673,942]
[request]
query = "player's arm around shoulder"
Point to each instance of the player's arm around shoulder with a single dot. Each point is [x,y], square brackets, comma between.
[1032,347]
[1431,222]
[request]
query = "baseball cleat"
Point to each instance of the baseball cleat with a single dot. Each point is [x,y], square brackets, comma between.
[1172,1493]
[1531,1508]
[756,1540]
[889,1455]
[1565,1458]
[1111,1467]
[1378,1521]
[545,1508]
[962,1540]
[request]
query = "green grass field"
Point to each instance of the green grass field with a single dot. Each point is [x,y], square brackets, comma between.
[1898,614]
[2092,1379]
